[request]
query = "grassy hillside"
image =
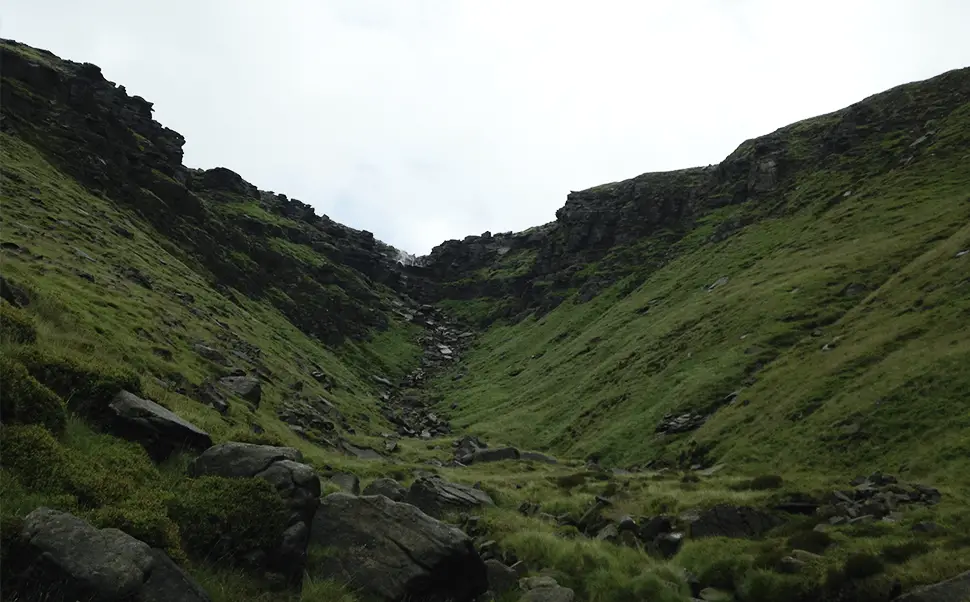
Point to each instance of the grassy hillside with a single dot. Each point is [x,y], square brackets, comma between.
[814,320]
[839,318]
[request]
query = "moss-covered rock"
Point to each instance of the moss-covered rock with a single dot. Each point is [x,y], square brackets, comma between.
[26,401]
[15,325]
[225,519]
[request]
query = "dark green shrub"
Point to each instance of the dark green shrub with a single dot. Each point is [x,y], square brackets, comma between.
[766,586]
[23,400]
[246,514]
[32,455]
[764,482]
[108,471]
[860,566]
[86,385]
[15,325]
[815,542]
[900,553]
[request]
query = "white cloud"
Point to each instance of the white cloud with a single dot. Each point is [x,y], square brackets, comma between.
[433,119]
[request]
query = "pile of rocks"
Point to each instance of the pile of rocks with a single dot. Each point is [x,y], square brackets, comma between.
[680,423]
[443,344]
[873,497]
[312,419]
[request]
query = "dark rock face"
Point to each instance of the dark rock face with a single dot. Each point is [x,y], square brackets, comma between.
[159,430]
[389,488]
[537,457]
[73,560]
[435,496]
[297,483]
[500,577]
[724,520]
[394,551]
[492,455]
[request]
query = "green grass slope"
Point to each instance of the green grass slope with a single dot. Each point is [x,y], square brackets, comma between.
[838,312]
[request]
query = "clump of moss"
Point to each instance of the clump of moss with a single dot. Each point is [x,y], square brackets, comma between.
[224,519]
[15,325]
[860,566]
[87,385]
[35,458]
[815,542]
[26,401]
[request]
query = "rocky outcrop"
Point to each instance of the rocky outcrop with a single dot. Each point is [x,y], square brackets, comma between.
[297,483]
[435,496]
[544,589]
[394,551]
[724,520]
[158,429]
[68,558]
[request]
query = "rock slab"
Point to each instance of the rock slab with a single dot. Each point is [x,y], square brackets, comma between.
[79,561]
[435,496]
[394,551]
[158,429]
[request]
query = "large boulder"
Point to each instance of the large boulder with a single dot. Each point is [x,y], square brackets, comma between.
[725,520]
[435,496]
[297,483]
[394,551]
[158,429]
[389,488]
[66,558]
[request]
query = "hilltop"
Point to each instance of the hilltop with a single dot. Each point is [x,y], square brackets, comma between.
[667,393]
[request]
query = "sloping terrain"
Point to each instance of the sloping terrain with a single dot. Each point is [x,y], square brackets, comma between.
[712,354]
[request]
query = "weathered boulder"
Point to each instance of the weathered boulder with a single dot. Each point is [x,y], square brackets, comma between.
[346,481]
[500,577]
[69,557]
[389,488]
[394,551]
[246,387]
[725,520]
[158,429]
[468,445]
[435,496]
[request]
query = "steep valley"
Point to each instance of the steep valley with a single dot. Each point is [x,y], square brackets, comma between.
[210,392]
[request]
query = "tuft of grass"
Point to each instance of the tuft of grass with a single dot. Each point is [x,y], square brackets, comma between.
[16,326]
[23,400]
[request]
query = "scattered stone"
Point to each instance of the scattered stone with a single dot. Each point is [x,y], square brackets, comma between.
[158,429]
[393,551]
[347,482]
[210,353]
[680,423]
[246,387]
[542,581]
[791,565]
[435,496]
[709,594]
[927,527]
[389,488]
[382,381]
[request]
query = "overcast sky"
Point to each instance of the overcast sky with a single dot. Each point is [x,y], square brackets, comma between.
[424,120]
